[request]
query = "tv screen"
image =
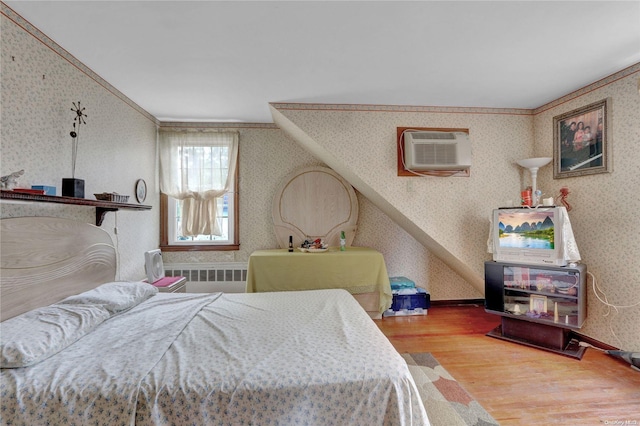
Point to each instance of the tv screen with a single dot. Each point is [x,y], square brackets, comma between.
[526,229]
[528,235]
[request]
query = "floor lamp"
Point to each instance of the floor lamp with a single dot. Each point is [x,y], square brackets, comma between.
[533,164]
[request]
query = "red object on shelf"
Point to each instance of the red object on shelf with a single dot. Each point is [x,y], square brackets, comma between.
[166,281]
[29,191]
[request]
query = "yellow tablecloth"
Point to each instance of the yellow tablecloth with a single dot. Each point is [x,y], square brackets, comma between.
[357,270]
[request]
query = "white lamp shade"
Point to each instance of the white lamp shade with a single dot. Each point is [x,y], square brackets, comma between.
[534,162]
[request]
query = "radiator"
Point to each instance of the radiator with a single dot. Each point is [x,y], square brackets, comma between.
[228,277]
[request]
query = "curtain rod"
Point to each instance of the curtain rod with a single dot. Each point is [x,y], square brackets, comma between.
[199,130]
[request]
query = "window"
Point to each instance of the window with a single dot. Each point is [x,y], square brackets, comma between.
[171,223]
[199,198]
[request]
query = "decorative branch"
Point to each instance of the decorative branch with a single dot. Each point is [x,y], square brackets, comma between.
[78,119]
[564,193]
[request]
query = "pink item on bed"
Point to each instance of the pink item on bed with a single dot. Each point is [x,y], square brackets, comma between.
[166,281]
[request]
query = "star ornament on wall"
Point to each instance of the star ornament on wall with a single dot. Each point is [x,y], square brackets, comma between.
[79,118]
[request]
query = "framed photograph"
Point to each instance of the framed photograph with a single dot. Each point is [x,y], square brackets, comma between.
[538,303]
[581,142]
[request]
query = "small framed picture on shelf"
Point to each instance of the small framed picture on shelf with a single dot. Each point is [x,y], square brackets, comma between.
[538,303]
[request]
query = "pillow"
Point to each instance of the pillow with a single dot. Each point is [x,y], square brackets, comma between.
[38,334]
[115,297]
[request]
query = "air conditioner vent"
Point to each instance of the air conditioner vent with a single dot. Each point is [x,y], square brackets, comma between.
[437,150]
[434,135]
[436,153]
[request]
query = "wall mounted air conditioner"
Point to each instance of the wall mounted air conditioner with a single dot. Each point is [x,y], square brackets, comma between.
[431,150]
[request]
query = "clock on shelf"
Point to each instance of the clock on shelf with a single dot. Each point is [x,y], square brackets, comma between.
[141,190]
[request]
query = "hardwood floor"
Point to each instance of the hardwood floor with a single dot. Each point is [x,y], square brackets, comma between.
[516,384]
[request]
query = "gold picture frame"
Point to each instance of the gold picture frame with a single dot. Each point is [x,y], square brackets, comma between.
[581,141]
[538,303]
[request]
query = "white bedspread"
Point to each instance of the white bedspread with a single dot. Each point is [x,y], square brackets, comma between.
[288,358]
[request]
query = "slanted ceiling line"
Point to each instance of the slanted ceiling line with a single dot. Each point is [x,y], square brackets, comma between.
[301,137]
[30,29]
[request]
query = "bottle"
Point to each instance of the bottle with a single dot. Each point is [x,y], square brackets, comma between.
[343,241]
[525,199]
[290,243]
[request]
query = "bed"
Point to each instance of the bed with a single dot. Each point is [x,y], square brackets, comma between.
[122,353]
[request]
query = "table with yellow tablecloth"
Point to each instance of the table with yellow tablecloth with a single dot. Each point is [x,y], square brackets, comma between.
[357,270]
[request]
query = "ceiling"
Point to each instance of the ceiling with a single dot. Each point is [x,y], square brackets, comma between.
[225,61]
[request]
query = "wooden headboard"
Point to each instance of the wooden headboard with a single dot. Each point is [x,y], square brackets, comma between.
[314,202]
[45,259]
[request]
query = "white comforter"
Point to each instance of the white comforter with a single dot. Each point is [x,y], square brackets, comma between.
[291,358]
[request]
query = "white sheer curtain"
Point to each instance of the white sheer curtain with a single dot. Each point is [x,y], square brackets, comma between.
[197,168]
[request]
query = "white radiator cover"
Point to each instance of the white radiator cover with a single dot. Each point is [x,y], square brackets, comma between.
[228,277]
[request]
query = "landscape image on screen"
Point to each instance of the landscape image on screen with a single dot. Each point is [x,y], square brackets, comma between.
[531,229]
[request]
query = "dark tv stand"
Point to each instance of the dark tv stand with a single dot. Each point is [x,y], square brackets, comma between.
[540,305]
[551,339]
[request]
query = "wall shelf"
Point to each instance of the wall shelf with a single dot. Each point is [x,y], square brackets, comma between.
[102,207]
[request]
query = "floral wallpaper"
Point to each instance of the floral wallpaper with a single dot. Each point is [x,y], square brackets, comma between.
[359,142]
[441,244]
[451,214]
[267,155]
[605,208]
[40,82]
